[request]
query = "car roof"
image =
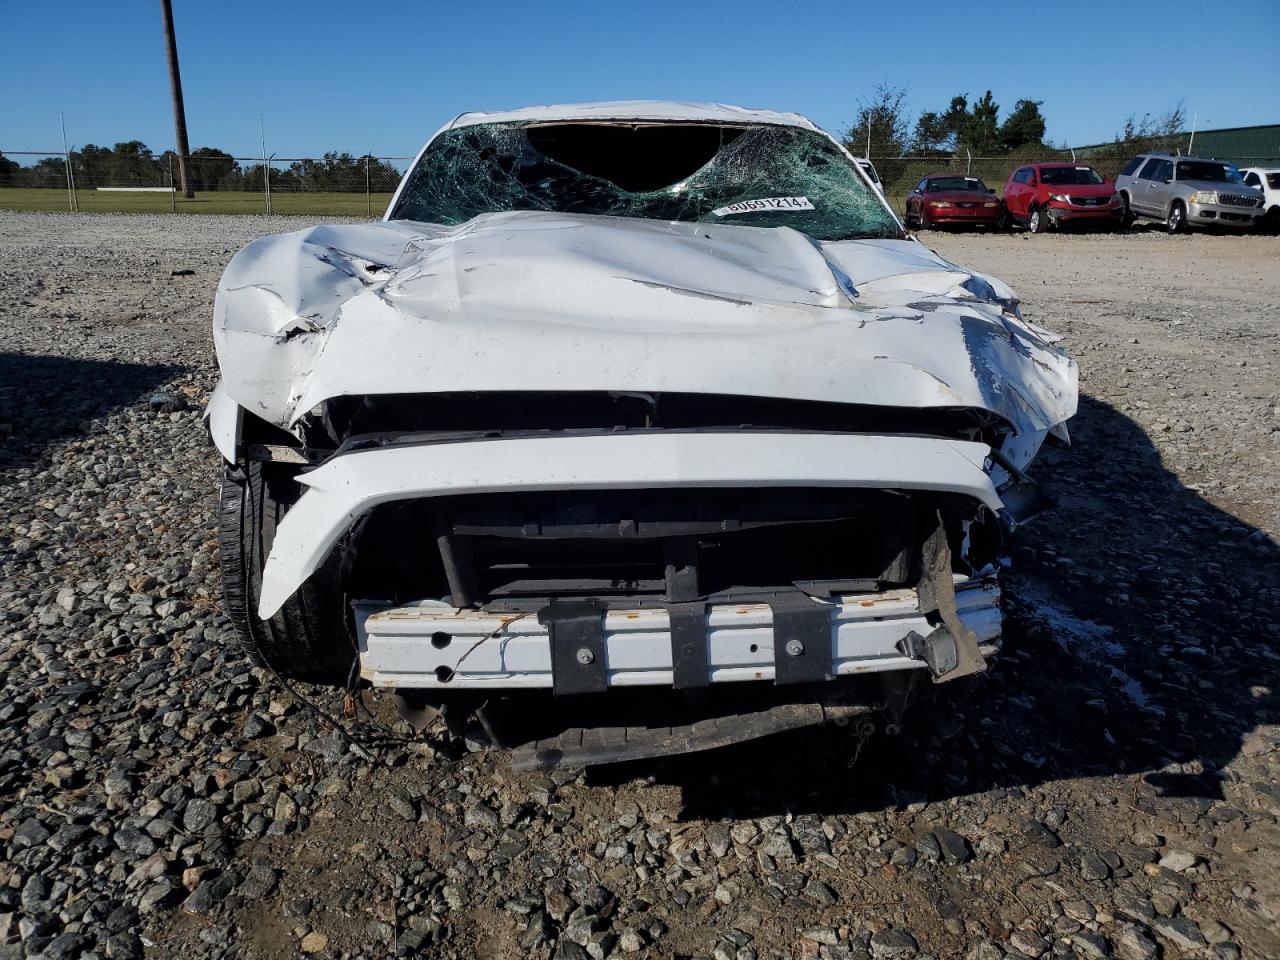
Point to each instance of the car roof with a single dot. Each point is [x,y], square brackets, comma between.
[637,110]
[962,176]
[1061,164]
[1180,157]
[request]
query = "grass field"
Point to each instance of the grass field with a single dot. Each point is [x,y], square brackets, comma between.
[93,201]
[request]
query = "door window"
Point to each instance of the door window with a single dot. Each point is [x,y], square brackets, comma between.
[1156,169]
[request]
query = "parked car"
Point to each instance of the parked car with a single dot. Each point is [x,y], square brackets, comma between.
[1042,196]
[1187,191]
[650,406]
[869,169]
[952,199]
[1268,181]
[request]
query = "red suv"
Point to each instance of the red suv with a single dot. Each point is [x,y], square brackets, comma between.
[1046,195]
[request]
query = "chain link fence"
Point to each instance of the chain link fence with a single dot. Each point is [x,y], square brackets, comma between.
[340,184]
[114,180]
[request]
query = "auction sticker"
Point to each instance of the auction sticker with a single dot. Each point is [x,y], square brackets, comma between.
[764,205]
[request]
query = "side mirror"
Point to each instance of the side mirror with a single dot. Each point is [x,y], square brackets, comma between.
[991,190]
[1168,179]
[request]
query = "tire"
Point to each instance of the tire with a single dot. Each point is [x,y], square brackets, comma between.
[907,220]
[1037,220]
[922,220]
[1003,221]
[307,639]
[1177,222]
[1270,222]
[1126,218]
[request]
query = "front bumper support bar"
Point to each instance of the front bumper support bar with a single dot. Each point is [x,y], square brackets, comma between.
[432,645]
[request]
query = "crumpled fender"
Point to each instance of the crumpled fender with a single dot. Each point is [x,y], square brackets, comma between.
[222,418]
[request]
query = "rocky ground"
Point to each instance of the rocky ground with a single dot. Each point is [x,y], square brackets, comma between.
[1109,789]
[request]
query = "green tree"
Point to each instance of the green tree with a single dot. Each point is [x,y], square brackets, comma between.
[46,172]
[886,115]
[8,172]
[936,134]
[1025,125]
[92,166]
[979,130]
[383,177]
[132,164]
[213,169]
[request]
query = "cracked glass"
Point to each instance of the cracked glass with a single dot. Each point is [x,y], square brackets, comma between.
[767,176]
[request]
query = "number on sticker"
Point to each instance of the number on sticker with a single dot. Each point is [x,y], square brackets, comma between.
[764,205]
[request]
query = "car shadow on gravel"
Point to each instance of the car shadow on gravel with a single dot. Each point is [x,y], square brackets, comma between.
[48,398]
[1138,640]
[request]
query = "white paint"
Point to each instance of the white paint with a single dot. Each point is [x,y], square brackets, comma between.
[222,417]
[513,651]
[520,301]
[348,486]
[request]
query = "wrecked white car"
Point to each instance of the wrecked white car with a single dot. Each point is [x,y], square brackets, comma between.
[650,412]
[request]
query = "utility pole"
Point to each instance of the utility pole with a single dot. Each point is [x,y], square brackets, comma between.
[179,112]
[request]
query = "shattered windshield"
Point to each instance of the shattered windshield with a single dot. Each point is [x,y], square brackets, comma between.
[761,176]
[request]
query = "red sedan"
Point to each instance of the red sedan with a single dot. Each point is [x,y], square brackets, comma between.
[949,199]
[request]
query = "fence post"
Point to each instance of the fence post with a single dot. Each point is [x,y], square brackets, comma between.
[968,163]
[266,181]
[173,196]
[66,159]
[368,197]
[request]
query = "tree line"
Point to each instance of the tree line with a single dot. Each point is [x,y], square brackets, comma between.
[975,128]
[133,164]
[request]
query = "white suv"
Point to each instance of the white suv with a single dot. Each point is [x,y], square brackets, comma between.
[1266,179]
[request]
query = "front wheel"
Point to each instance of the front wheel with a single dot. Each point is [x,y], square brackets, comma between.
[1177,218]
[1126,215]
[307,639]
[1038,220]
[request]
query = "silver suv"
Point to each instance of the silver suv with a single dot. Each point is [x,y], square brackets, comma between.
[1184,191]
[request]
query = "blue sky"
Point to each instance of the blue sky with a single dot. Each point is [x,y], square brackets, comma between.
[381,77]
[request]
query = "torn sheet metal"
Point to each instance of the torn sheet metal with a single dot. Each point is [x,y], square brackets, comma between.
[516,301]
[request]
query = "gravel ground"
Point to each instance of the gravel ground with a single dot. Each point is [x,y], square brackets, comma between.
[1109,789]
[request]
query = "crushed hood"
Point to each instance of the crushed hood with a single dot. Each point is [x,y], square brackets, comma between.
[544,301]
